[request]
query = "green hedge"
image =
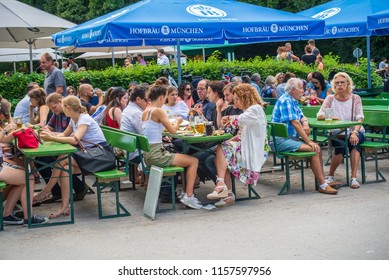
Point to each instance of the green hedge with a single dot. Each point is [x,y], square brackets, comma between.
[14,87]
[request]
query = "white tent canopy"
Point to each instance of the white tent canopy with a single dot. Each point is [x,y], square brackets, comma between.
[122,54]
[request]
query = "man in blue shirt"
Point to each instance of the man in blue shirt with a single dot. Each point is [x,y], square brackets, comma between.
[22,109]
[204,106]
[287,111]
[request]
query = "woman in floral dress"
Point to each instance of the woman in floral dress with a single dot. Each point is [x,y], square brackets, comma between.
[244,154]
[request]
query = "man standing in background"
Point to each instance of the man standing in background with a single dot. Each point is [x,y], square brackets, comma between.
[54,80]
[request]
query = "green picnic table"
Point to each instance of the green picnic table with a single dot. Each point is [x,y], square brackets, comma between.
[63,151]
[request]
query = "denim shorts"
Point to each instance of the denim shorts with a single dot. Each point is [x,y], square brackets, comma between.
[340,147]
[286,144]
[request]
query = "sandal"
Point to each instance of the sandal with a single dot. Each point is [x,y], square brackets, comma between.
[219,191]
[59,213]
[229,200]
[38,201]
[354,183]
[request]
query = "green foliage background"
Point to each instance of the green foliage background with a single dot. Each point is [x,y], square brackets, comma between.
[14,87]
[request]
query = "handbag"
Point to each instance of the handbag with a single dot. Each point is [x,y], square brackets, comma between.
[94,159]
[27,138]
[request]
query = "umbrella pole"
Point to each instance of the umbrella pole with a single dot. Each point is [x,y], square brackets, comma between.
[30,47]
[368,62]
[113,58]
[178,53]
[14,67]
[203,53]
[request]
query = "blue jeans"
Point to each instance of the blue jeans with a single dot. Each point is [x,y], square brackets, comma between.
[206,164]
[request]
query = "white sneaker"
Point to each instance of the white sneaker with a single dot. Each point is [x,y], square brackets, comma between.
[191,202]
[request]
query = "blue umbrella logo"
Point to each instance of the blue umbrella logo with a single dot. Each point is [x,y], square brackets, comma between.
[205,11]
[327,13]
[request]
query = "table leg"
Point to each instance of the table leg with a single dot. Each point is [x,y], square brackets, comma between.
[28,198]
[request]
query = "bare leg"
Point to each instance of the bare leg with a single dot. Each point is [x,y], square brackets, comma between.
[191,164]
[335,161]
[355,156]
[316,162]
[221,167]
[13,196]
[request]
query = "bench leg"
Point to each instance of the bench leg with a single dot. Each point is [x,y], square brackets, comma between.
[379,177]
[173,187]
[285,189]
[252,194]
[121,211]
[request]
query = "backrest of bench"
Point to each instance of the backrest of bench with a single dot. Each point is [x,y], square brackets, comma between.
[142,142]
[384,95]
[120,140]
[310,112]
[269,109]
[374,118]
[375,101]
[2,186]
[279,130]
[272,101]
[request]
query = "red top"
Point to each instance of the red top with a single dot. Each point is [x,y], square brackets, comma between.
[112,123]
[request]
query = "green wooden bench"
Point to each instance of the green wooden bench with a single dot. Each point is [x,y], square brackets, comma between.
[379,141]
[384,95]
[378,120]
[2,186]
[374,101]
[311,111]
[272,101]
[111,178]
[371,148]
[292,159]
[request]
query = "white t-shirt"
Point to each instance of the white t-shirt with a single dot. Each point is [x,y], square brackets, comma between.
[93,133]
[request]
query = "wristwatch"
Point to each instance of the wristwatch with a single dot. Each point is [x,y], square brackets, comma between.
[5,132]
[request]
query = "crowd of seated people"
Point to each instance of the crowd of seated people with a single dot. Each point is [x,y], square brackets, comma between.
[144,109]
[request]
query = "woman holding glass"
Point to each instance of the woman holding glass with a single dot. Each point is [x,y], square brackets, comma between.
[345,106]
[155,120]
[244,154]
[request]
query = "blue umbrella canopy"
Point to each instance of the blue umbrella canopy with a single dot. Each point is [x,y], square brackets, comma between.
[346,18]
[190,21]
[378,20]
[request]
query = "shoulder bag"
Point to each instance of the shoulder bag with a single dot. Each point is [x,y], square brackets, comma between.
[94,159]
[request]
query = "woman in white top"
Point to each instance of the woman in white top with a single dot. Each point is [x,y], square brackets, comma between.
[175,106]
[244,154]
[81,127]
[155,120]
[345,106]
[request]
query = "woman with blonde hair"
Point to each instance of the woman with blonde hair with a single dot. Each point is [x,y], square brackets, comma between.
[244,154]
[81,128]
[345,106]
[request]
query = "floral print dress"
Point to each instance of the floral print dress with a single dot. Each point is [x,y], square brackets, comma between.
[233,153]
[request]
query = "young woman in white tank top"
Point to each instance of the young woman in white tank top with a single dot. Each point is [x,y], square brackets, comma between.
[154,121]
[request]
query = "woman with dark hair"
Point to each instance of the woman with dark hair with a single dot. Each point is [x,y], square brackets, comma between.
[173,105]
[155,120]
[38,100]
[321,88]
[215,93]
[113,113]
[185,93]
